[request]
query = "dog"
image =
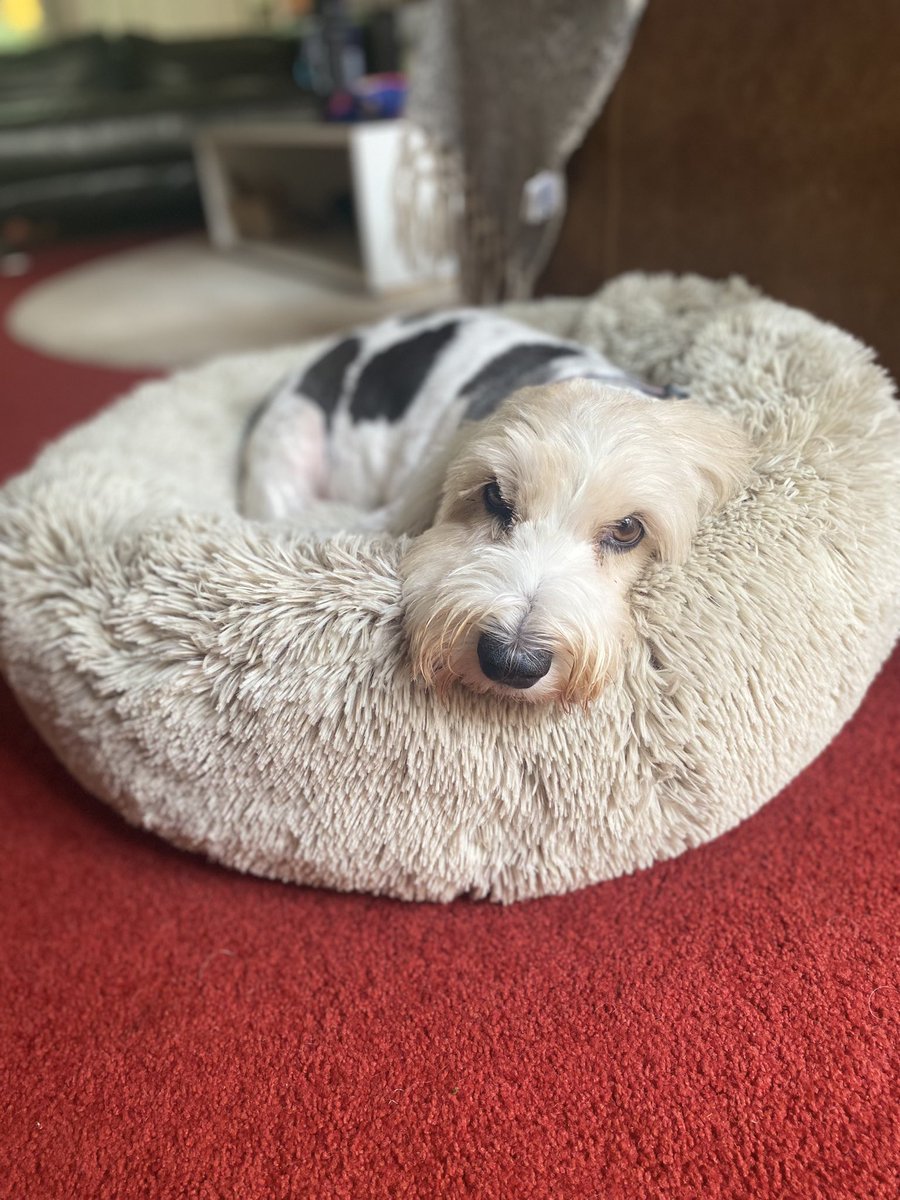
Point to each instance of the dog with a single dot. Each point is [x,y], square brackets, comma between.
[535,479]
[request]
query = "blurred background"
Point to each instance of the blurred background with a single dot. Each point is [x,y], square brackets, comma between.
[254,141]
[100,99]
[231,166]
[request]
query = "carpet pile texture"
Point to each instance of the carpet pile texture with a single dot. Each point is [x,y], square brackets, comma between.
[724,1025]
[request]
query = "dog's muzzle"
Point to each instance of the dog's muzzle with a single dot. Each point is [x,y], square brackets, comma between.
[509,664]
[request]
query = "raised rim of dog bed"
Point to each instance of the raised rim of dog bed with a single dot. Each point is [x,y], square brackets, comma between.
[243,689]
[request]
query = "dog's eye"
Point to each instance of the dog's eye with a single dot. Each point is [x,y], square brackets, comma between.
[623,535]
[496,505]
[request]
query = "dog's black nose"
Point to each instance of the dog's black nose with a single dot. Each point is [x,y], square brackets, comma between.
[511,665]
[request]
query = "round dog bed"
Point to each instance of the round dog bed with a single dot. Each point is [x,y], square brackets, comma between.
[243,689]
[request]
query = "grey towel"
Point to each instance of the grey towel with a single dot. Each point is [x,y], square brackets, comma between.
[505,92]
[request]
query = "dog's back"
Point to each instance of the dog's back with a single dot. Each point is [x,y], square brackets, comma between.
[376,404]
[386,371]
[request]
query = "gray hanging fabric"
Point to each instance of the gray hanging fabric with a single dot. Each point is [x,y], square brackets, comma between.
[504,92]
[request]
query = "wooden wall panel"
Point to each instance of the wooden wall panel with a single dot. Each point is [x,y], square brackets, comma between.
[760,138]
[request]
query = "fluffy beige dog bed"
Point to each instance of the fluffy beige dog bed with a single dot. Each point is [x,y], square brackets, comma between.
[243,690]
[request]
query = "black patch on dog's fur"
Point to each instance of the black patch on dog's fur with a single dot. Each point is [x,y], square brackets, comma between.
[323,383]
[522,366]
[390,381]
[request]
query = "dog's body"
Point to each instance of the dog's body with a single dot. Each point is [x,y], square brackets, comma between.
[535,477]
[374,420]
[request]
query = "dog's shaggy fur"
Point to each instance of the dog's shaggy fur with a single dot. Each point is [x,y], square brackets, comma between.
[574,462]
[534,509]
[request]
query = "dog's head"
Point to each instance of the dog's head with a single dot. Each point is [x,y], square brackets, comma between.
[549,512]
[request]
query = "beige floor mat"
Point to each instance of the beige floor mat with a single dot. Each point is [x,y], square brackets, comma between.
[179,301]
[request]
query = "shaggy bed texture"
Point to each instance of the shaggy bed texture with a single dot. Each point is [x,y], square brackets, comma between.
[244,690]
[725,1025]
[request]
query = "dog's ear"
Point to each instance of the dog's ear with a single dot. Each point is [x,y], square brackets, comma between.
[711,447]
[712,458]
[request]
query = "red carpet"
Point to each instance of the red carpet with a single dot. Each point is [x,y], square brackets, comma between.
[725,1025]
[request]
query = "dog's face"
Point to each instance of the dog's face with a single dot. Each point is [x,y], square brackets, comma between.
[548,514]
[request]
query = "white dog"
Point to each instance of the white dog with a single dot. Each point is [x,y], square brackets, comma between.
[535,478]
